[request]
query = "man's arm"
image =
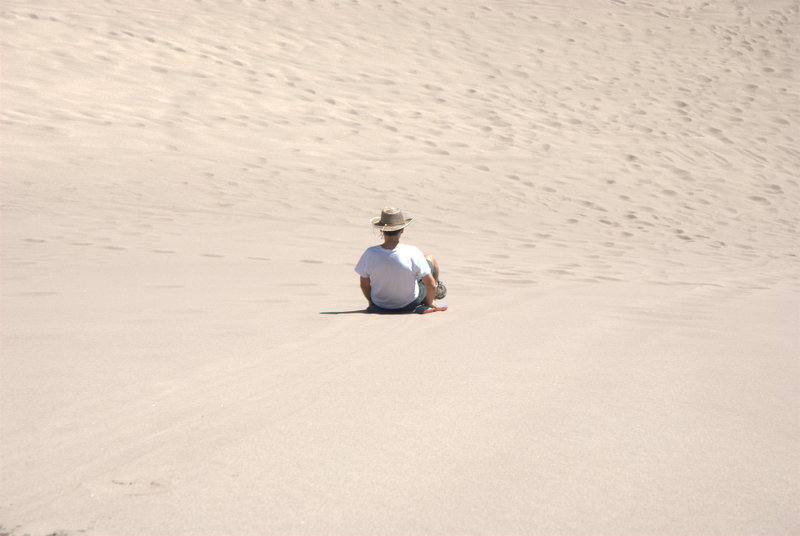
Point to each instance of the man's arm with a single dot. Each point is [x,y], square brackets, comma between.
[430,290]
[366,288]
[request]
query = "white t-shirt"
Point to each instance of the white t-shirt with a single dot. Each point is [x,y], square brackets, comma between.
[393,274]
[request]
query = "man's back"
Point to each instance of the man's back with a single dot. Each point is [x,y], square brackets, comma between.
[393,274]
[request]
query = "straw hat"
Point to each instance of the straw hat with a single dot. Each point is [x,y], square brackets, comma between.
[391,219]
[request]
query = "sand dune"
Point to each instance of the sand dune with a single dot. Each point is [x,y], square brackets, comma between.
[611,189]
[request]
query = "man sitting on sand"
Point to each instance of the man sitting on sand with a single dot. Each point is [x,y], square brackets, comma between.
[396,277]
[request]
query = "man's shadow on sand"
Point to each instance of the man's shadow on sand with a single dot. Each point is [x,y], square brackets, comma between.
[374,310]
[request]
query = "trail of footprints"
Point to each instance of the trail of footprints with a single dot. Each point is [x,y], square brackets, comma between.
[153,251]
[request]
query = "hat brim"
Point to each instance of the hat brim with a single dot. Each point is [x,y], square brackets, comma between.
[391,226]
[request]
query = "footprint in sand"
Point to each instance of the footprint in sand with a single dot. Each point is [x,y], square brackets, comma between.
[136,488]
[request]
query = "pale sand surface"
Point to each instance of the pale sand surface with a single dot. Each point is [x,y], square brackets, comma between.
[611,188]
